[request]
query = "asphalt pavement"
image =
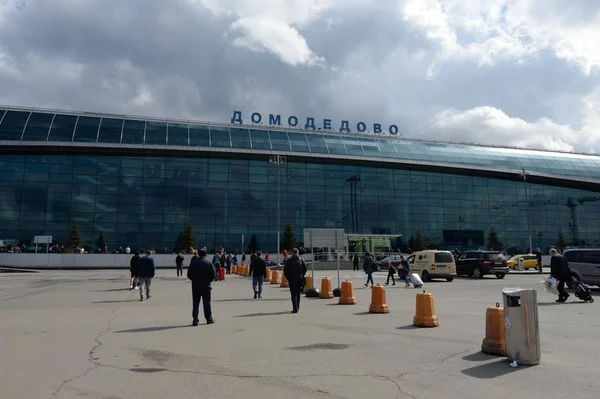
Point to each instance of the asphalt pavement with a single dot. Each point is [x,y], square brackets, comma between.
[71,334]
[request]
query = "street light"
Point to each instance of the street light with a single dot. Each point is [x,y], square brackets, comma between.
[278,160]
[524,174]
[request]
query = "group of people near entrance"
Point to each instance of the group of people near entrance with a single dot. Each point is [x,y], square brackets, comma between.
[203,272]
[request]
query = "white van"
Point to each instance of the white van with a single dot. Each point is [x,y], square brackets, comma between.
[585,263]
[433,264]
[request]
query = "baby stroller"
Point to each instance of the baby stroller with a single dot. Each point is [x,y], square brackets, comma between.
[581,290]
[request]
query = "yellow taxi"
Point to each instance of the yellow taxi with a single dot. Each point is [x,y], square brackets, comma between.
[529,261]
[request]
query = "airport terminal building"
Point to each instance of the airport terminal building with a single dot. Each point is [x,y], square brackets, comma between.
[138,180]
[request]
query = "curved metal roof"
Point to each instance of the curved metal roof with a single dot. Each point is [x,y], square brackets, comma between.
[32,125]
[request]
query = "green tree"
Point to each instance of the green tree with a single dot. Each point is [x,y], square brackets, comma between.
[187,238]
[253,245]
[101,243]
[494,242]
[417,242]
[289,238]
[75,239]
[561,243]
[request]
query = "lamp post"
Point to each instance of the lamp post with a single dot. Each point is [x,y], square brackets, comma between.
[524,174]
[278,160]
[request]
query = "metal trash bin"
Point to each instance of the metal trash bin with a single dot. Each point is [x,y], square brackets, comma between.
[520,266]
[522,326]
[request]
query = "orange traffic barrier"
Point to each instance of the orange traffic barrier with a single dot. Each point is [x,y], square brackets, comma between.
[234,269]
[268,275]
[494,342]
[284,281]
[246,271]
[309,283]
[326,292]
[425,311]
[378,300]
[275,277]
[347,293]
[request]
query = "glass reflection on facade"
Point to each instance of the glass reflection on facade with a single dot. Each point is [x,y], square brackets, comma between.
[143,201]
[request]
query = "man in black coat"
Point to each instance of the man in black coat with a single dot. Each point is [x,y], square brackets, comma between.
[134,270]
[201,273]
[559,269]
[295,270]
[258,270]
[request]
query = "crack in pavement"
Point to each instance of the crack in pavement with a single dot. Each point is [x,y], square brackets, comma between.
[95,363]
[257,376]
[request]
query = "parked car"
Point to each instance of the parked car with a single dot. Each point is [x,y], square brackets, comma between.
[433,264]
[383,264]
[480,263]
[585,264]
[529,261]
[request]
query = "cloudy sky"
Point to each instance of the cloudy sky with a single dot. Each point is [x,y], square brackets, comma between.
[517,72]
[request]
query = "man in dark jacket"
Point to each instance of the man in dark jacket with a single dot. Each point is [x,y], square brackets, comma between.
[134,269]
[538,259]
[147,270]
[201,273]
[295,270]
[179,263]
[258,270]
[559,269]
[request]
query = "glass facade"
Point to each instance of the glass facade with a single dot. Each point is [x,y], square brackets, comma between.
[144,201]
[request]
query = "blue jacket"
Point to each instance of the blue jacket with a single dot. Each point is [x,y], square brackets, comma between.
[147,267]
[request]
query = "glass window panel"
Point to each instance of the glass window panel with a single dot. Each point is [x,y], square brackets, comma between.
[260,139]
[335,145]
[279,141]
[298,142]
[156,133]
[86,130]
[199,136]
[240,138]
[353,146]
[387,149]
[177,134]
[2,112]
[62,128]
[133,132]
[317,144]
[219,137]
[38,127]
[110,130]
[13,124]
[370,147]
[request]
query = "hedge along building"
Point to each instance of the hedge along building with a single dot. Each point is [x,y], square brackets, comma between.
[139,180]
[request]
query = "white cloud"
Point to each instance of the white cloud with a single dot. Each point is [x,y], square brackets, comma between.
[508,29]
[271,25]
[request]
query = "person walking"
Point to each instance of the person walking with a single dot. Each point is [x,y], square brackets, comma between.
[294,271]
[228,263]
[147,271]
[391,272]
[134,270]
[559,269]
[258,270]
[405,271]
[201,273]
[355,261]
[179,263]
[368,268]
[538,258]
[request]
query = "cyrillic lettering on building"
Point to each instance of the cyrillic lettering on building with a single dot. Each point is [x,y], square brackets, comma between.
[345,127]
[256,117]
[274,119]
[326,124]
[361,127]
[377,128]
[292,121]
[393,129]
[310,124]
[237,117]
